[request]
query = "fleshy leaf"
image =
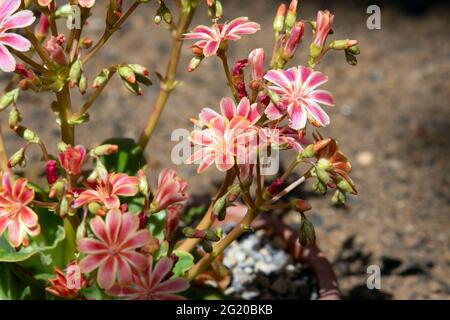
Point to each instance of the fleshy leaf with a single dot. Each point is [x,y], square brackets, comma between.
[184,263]
[128,159]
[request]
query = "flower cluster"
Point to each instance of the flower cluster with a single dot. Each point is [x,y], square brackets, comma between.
[121,237]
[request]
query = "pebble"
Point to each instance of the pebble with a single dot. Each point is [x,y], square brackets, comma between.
[365,158]
[260,268]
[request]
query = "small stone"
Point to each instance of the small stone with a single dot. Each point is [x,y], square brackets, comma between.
[240,256]
[250,294]
[365,158]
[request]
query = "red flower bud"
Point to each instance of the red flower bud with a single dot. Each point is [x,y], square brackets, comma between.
[52,171]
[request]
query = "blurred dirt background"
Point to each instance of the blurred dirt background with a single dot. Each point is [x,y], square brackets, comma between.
[391,118]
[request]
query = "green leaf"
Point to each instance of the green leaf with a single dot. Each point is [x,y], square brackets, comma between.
[10,286]
[94,293]
[155,224]
[184,263]
[128,159]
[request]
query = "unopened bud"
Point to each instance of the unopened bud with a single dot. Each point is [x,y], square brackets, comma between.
[82,84]
[338,197]
[94,207]
[14,118]
[351,59]
[207,246]
[211,235]
[57,189]
[308,152]
[354,49]
[104,150]
[17,158]
[343,44]
[291,15]
[86,42]
[75,73]
[101,78]
[138,69]
[300,205]
[278,22]
[307,234]
[194,63]
[8,98]
[127,74]
[51,171]
[274,97]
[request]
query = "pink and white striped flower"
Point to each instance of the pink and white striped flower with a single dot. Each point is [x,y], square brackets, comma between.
[108,189]
[113,252]
[282,138]
[171,190]
[72,159]
[228,138]
[152,284]
[10,20]
[256,59]
[229,111]
[299,97]
[15,213]
[210,38]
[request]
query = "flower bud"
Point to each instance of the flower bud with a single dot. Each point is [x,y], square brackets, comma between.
[42,27]
[17,158]
[219,208]
[256,59]
[86,42]
[345,186]
[291,15]
[308,152]
[8,98]
[104,150]
[342,44]
[82,84]
[211,235]
[55,51]
[295,37]
[94,207]
[338,197]
[273,189]
[354,49]
[101,78]
[351,59]
[138,69]
[27,134]
[63,207]
[14,118]
[75,73]
[190,232]
[194,63]
[207,246]
[173,214]
[57,189]
[278,22]
[300,205]
[51,171]
[164,13]
[127,74]
[219,9]
[25,73]
[307,234]
[143,183]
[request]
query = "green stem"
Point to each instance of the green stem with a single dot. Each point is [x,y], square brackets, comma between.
[167,85]
[65,113]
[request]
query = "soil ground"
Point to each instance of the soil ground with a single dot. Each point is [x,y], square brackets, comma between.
[391,119]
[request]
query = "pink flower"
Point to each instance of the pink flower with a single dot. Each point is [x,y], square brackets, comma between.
[108,190]
[210,38]
[86,3]
[72,159]
[15,213]
[113,252]
[256,58]
[228,137]
[229,111]
[171,189]
[153,283]
[296,88]
[323,27]
[10,20]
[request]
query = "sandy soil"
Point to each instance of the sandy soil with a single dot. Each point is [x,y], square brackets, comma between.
[391,118]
